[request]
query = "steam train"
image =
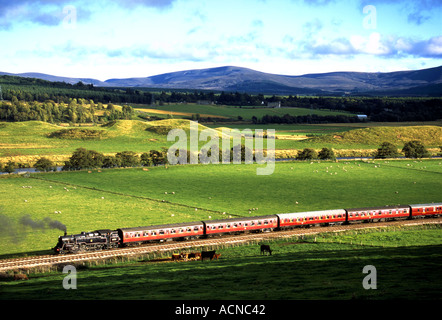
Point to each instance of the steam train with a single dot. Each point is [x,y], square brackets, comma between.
[108,239]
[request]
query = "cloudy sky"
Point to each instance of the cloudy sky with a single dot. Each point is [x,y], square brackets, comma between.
[138,38]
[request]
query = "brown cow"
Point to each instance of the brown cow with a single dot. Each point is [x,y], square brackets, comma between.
[176,257]
[194,255]
[207,254]
[216,255]
[265,248]
[20,276]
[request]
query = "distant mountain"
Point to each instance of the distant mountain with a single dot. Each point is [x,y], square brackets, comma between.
[229,78]
[49,77]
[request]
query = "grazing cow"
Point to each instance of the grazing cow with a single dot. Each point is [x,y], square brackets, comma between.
[207,254]
[176,256]
[194,255]
[265,248]
[216,255]
[20,276]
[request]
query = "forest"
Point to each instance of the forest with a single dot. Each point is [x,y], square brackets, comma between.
[52,94]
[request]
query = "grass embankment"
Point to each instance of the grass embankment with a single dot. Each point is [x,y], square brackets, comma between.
[328,266]
[118,198]
[26,142]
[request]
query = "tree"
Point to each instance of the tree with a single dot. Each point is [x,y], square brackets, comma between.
[127,159]
[307,154]
[415,149]
[84,159]
[326,153]
[10,167]
[44,164]
[109,162]
[387,150]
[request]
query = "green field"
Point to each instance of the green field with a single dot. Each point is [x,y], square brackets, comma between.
[28,141]
[117,198]
[320,267]
[234,112]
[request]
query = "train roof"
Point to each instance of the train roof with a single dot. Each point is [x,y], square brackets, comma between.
[163,226]
[378,208]
[437,204]
[240,219]
[312,213]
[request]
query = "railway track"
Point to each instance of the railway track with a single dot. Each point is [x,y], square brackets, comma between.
[28,263]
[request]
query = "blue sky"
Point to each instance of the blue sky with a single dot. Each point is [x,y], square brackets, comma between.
[138,38]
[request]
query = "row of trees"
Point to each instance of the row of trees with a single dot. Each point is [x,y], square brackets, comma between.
[313,118]
[90,159]
[411,149]
[76,111]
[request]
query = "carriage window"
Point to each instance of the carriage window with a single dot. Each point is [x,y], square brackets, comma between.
[195,229]
[153,233]
[260,223]
[146,233]
[228,226]
[161,232]
[266,222]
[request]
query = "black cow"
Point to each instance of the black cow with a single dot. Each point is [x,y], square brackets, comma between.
[265,248]
[207,254]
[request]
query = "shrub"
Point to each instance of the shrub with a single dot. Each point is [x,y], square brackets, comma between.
[415,149]
[387,150]
[44,164]
[326,153]
[307,154]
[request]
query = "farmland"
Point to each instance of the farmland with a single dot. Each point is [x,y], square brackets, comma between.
[114,198]
[25,142]
[94,199]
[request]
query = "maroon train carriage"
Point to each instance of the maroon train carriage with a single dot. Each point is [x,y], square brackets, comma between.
[426,209]
[311,217]
[178,231]
[269,222]
[378,213]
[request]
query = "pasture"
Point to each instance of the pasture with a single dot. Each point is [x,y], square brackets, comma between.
[222,111]
[26,142]
[114,198]
[321,267]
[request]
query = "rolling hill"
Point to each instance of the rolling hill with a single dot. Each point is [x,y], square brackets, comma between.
[230,78]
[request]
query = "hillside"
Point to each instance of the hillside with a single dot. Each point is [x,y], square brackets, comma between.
[25,142]
[231,78]
[428,135]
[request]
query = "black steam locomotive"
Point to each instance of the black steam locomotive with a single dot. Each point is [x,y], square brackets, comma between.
[87,241]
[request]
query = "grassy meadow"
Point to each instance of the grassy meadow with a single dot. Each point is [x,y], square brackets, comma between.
[233,112]
[26,142]
[321,267]
[113,198]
